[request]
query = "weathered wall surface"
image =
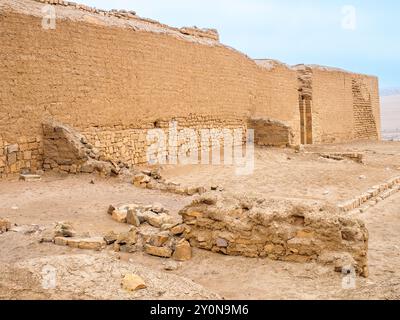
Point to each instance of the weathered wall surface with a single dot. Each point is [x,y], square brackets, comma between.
[113,76]
[345,106]
[269,132]
[101,78]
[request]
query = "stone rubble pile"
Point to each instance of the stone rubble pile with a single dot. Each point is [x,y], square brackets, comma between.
[66,150]
[151,179]
[153,231]
[162,235]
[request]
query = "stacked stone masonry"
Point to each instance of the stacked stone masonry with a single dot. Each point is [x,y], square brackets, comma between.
[280,230]
[371,197]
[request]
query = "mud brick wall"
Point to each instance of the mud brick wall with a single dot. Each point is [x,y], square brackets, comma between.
[96,72]
[280,230]
[277,96]
[113,71]
[344,106]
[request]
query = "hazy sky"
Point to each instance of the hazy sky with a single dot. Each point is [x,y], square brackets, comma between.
[361,36]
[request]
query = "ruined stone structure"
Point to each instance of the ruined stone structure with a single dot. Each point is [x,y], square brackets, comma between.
[280,230]
[112,76]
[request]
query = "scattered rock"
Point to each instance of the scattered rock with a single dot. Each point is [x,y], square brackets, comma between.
[168,226]
[129,237]
[110,237]
[362,177]
[158,239]
[30,177]
[171,265]
[222,243]
[157,220]
[157,208]
[95,243]
[5,225]
[163,252]
[132,218]
[178,230]
[64,229]
[132,282]
[140,180]
[183,251]
[119,215]
[126,241]
[111,209]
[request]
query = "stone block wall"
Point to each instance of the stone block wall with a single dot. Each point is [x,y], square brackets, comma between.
[280,230]
[24,155]
[130,145]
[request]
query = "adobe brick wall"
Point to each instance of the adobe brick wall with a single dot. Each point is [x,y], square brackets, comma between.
[112,75]
[345,106]
[102,77]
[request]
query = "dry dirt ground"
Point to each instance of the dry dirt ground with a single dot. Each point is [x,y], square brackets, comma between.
[83,274]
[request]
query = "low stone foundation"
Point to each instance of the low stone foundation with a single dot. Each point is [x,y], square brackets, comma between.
[371,197]
[280,230]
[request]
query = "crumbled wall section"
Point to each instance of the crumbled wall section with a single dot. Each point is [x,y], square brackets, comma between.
[66,150]
[278,230]
[269,132]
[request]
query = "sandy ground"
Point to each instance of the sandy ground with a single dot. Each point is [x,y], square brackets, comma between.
[284,173]
[207,275]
